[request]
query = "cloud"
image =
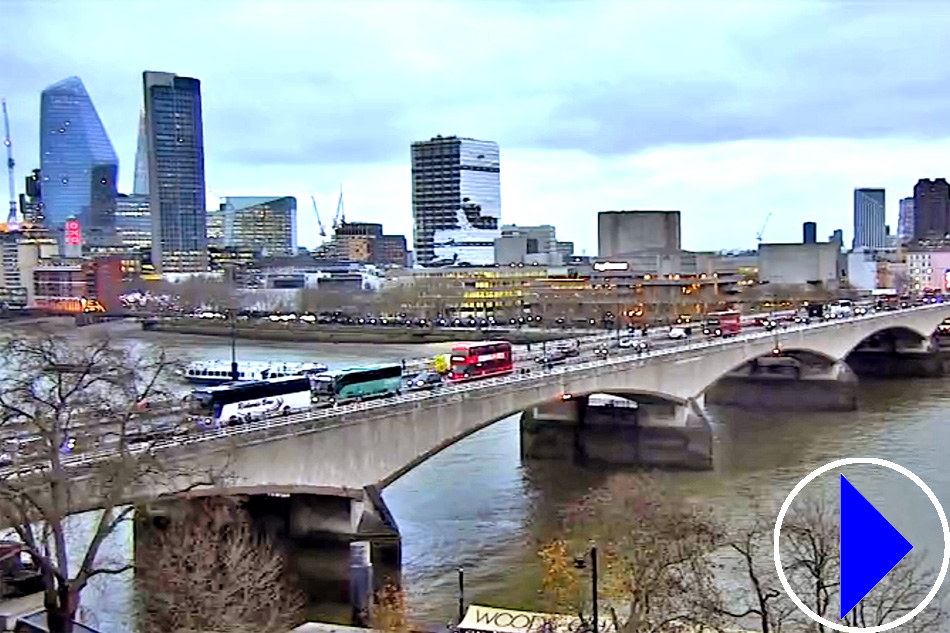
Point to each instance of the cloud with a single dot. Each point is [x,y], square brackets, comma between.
[618,104]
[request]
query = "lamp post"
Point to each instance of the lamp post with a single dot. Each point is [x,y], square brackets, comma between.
[580,563]
[234,365]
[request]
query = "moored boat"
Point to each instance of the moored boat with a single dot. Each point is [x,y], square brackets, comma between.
[216,372]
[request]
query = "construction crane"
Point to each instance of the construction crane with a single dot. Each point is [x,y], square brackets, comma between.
[340,218]
[323,231]
[12,215]
[758,236]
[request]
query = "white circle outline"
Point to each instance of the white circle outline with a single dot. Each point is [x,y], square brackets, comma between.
[907,617]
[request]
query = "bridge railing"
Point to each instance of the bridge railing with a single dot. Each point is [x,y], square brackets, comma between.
[316,419]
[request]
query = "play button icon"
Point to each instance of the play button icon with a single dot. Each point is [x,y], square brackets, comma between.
[870,547]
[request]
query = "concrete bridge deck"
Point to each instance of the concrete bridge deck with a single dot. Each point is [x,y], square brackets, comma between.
[341,451]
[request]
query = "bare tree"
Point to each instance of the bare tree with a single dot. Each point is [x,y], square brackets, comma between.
[60,396]
[657,574]
[213,572]
[751,562]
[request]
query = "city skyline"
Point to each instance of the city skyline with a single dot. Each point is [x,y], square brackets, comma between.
[567,155]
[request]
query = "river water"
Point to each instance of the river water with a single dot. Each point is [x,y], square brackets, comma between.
[476,506]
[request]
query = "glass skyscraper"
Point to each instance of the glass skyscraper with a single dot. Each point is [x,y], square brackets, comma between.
[78,165]
[176,172]
[456,200]
[869,224]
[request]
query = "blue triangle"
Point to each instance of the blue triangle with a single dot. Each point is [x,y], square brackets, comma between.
[870,547]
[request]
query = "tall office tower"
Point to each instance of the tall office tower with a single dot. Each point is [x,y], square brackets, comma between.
[905,219]
[78,165]
[456,200]
[809,233]
[869,230]
[176,172]
[931,209]
[140,183]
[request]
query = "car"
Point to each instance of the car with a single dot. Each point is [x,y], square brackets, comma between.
[425,380]
[569,350]
[602,352]
[551,358]
[858,311]
[677,333]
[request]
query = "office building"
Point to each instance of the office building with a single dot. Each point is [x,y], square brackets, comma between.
[264,225]
[20,253]
[931,209]
[905,219]
[869,231]
[837,236]
[176,172]
[809,233]
[31,201]
[621,233]
[78,165]
[801,264]
[133,222]
[456,200]
[535,245]
[364,242]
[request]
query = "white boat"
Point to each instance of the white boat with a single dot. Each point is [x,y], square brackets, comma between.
[216,372]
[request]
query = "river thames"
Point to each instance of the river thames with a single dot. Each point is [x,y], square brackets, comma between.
[476,506]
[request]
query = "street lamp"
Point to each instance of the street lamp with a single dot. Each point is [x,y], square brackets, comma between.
[581,563]
[234,365]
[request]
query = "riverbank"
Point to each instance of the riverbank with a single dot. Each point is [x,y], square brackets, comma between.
[303,332]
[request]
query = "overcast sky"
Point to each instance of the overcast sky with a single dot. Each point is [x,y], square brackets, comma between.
[723,110]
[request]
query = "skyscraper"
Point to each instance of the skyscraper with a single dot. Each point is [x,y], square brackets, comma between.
[869,230]
[176,172]
[78,165]
[931,209]
[905,219]
[456,200]
[140,183]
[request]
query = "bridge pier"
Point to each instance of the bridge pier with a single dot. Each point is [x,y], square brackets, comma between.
[315,532]
[651,432]
[787,384]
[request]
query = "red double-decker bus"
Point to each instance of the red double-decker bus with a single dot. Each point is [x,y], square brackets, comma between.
[726,323]
[480,360]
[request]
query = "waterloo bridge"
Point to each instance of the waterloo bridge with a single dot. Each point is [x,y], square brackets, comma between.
[317,477]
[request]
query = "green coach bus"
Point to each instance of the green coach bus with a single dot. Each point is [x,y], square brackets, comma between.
[356,383]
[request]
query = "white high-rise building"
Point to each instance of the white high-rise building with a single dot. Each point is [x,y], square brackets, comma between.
[456,200]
